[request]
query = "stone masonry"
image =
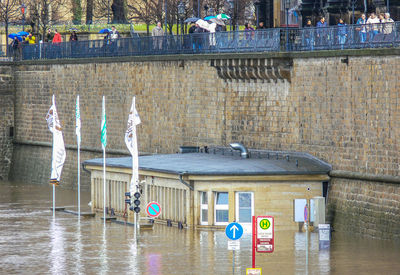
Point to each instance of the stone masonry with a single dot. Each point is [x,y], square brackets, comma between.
[6,120]
[342,107]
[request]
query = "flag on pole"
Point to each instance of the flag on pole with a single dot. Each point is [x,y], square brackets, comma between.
[58,155]
[131,143]
[78,121]
[104,125]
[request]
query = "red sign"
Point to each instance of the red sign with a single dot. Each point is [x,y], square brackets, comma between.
[263,236]
[153,209]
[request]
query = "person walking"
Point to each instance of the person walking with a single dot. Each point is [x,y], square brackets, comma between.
[73,36]
[388,28]
[16,46]
[158,35]
[31,39]
[57,37]
[57,43]
[308,35]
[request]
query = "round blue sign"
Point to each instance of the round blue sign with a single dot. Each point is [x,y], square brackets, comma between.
[234,231]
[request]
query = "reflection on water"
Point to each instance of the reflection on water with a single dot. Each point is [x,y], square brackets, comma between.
[32,241]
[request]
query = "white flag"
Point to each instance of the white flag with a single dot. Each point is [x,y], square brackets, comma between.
[131,143]
[78,121]
[58,155]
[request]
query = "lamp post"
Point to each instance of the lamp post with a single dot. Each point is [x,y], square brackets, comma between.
[181,13]
[108,12]
[387,7]
[231,6]
[353,3]
[257,5]
[286,6]
[23,7]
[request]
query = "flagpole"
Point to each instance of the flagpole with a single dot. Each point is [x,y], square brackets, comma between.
[104,144]
[79,183]
[53,159]
[78,140]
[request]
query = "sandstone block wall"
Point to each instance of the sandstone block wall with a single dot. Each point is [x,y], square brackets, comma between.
[344,110]
[367,208]
[6,120]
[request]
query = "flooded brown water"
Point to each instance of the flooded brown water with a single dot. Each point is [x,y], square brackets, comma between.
[32,242]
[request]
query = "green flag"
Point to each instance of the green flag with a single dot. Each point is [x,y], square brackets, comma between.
[104,125]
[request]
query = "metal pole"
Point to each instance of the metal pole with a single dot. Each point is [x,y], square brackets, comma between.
[104,185]
[165,10]
[253,245]
[198,8]
[258,6]
[233,262]
[54,201]
[287,27]
[108,12]
[79,182]
[352,19]
[387,6]
[306,222]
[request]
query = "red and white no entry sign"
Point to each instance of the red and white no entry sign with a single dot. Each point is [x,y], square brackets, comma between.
[153,209]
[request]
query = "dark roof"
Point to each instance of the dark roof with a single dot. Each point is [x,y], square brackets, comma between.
[273,163]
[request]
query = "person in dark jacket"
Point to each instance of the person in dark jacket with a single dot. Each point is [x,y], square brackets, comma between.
[73,36]
[308,34]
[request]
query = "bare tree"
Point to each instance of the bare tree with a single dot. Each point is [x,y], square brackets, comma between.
[44,13]
[9,11]
[146,11]
[104,8]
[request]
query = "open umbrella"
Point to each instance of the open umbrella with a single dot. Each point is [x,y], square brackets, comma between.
[13,35]
[217,21]
[191,20]
[22,33]
[104,31]
[223,16]
[208,18]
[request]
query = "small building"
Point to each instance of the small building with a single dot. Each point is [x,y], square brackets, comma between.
[216,186]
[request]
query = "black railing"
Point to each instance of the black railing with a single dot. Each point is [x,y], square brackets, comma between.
[270,40]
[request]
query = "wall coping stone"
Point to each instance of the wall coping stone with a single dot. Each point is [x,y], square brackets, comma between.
[363,176]
[214,56]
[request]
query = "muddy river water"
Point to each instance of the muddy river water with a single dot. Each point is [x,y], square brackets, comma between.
[32,242]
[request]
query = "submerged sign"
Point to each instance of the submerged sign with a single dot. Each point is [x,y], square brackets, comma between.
[265,234]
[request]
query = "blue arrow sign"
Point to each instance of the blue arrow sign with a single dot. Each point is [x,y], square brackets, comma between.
[234,231]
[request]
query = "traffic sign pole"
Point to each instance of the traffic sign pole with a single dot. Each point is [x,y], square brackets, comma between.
[233,231]
[253,254]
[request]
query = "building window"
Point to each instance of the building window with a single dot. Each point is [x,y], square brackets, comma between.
[203,208]
[244,207]
[221,208]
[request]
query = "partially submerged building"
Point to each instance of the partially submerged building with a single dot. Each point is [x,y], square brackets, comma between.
[213,187]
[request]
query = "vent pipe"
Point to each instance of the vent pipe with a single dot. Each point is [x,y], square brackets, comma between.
[243,150]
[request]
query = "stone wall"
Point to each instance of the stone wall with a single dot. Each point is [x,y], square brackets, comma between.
[341,106]
[6,120]
[364,207]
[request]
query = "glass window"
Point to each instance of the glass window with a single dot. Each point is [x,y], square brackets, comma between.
[203,208]
[221,208]
[222,198]
[244,207]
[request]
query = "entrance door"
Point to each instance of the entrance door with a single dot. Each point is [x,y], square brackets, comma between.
[244,209]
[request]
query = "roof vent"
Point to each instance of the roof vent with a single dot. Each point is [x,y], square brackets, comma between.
[243,150]
[188,149]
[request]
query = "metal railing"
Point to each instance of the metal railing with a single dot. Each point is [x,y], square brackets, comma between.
[270,40]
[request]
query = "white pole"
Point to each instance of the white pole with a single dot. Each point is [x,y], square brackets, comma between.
[79,182]
[104,185]
[54,201]
[53,158]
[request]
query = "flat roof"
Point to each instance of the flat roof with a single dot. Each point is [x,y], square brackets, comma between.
[225,163]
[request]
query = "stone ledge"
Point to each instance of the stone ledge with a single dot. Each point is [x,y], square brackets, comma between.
[194,57]
[361,176]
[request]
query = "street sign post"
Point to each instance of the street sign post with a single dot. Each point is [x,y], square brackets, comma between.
[234,231]
[153,209]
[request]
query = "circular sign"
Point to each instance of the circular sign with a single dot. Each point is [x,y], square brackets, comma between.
[234,231]
[265,224]
[153,209]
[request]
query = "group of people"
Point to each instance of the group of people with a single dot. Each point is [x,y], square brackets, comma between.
[367,30]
